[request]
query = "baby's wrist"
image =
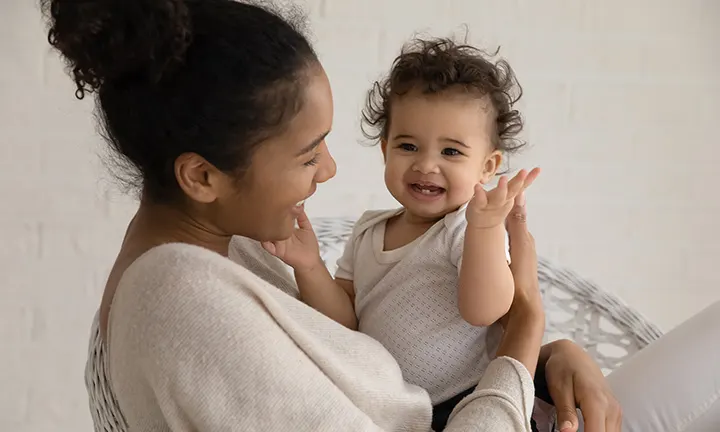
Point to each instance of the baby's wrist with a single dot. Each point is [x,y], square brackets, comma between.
[310,266]
[480,226]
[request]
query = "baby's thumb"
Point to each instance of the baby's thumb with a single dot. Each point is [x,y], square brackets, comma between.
[303,221]
[480,196]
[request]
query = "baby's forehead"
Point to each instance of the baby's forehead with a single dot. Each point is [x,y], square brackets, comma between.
[441,107]
[441,116]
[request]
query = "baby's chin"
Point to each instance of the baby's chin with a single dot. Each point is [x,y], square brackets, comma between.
[433,212]
[427,212]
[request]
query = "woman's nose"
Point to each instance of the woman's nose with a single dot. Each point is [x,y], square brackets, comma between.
[327,168]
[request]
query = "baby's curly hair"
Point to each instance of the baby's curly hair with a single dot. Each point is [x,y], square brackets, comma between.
[433,66]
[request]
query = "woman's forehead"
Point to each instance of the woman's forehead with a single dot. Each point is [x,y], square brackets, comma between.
[314,120]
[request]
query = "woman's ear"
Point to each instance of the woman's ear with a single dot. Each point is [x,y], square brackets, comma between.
[197,178]
[491,166]
[383,147]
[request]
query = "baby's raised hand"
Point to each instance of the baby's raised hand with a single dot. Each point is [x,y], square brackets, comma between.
[301,251]
[489,209]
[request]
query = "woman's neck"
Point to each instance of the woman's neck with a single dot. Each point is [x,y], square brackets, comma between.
[156,224]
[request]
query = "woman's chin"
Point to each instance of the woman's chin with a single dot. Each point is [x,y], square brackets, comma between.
[285,230]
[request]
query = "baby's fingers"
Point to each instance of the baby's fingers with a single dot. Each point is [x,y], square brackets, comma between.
[481,197]
[270,247]
[498,196]
[521,181]
[303,221]
[517,184]
[532,175]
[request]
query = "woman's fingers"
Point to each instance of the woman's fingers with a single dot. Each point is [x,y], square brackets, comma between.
[516,225]
[563,397]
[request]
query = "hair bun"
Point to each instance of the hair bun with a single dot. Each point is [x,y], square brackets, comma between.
[112,40]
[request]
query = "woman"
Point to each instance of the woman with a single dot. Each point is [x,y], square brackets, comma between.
[221,109]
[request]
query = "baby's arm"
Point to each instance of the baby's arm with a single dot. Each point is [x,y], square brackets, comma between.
[486,284]
[487,287]
[317,287]
[333,297]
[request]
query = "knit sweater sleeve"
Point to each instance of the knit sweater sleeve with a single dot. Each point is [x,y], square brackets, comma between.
[503,400]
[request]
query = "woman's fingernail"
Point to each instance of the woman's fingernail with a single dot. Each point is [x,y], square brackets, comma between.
[521,199]
[566,426]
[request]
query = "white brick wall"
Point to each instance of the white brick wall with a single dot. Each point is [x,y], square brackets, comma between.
[622,106]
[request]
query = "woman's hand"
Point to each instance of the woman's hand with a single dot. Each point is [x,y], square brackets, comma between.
[301,251]
[574,380]
[523,258]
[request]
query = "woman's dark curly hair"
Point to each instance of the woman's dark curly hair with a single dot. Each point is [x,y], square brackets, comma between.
[433,66]
[212,77]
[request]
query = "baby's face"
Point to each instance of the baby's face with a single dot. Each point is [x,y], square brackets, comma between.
[438,148]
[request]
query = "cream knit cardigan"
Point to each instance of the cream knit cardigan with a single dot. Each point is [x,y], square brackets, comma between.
[199,342]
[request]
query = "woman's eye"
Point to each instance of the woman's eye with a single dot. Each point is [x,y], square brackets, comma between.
[451,152]
[407,147]
[312,161]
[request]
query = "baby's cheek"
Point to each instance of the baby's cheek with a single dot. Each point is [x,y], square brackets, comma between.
[463,194]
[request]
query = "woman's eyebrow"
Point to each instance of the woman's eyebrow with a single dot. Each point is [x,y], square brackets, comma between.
[316,142]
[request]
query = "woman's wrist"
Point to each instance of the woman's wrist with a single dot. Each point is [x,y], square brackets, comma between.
[523,335]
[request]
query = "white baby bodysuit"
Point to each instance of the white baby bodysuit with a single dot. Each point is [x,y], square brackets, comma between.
[407,299]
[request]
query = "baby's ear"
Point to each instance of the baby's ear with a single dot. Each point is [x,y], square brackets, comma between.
[491,166]
[383,147]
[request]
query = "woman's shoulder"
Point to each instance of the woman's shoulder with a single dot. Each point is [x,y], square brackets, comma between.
[177,267]
[169,255]
[174,285]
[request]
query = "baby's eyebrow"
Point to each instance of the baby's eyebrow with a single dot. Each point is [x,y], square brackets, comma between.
[452,140]
[402,136]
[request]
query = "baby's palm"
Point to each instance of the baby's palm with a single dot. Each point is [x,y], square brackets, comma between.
[301,251]
[489,209]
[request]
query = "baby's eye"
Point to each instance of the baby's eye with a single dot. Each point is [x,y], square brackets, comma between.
[451,152]
[407,147]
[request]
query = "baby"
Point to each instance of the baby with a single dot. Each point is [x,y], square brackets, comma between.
[429,280]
